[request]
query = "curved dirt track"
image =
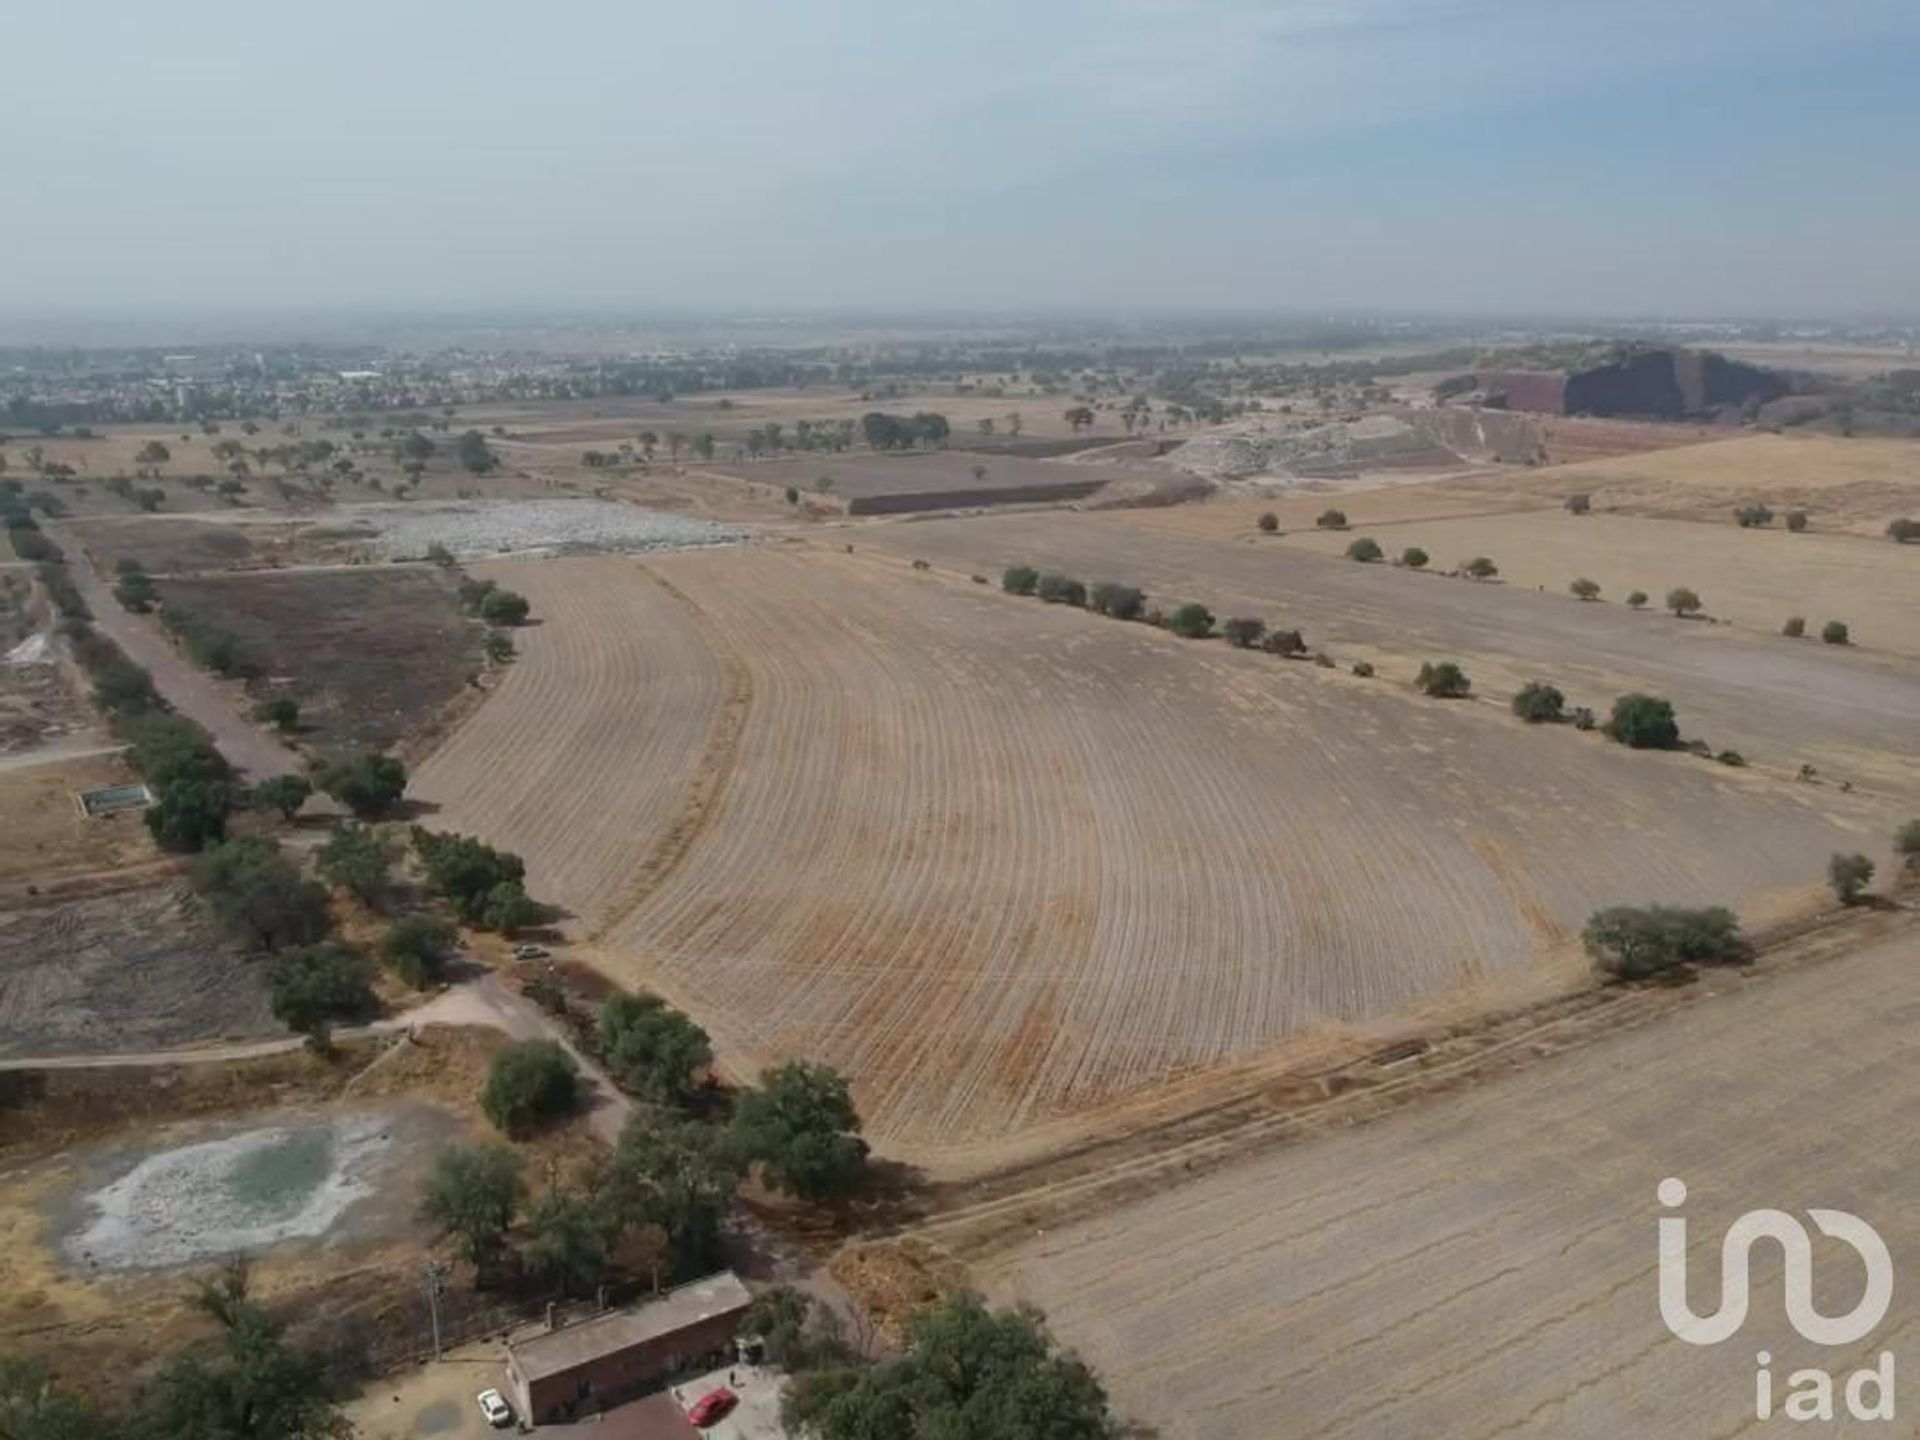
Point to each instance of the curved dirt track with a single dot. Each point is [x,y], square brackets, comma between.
[1004,862]
[582,760]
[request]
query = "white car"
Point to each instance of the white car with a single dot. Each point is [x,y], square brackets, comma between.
[529,952]
[494,1406]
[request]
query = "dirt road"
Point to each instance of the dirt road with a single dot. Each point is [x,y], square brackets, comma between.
[188,689]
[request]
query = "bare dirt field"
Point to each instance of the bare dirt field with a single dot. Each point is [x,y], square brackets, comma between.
[48,838]
[1754,578]
[187,544]
[1854,715]
[136,970]
[583,757]
[1004,862]
[371,653]
[1485,1264]
[40,692]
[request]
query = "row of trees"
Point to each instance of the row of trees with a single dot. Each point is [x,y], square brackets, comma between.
[1646,942]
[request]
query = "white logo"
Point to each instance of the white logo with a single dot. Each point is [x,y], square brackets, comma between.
[1812,1392]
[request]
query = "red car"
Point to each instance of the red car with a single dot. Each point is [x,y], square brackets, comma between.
[712,1407]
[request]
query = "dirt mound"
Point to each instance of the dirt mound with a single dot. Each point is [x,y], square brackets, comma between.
[1341,450]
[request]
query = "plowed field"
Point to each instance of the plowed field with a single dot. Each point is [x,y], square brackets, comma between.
[582,762]
[1004,862]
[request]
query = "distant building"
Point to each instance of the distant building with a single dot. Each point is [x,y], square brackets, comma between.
[622,1354]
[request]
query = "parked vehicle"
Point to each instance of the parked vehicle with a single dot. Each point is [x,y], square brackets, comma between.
[712,1407]
[494,1406]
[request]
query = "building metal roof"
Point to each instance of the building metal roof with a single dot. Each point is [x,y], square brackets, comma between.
[559,1351]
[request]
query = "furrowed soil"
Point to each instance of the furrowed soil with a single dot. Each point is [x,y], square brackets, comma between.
[371,654]
[1486,1265]
[1008,863]
[1852,714]
[140,969]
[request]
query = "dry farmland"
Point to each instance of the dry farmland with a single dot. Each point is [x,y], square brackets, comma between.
[1005,863]
[1755,578]
[1485,1265]
[370,654]
[1853,715]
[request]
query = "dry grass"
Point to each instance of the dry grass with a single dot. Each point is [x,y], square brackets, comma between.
[1754,578]
[1006,863]
[47,838]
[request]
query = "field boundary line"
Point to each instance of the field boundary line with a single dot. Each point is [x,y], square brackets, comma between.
[1074,1184]
[706,788]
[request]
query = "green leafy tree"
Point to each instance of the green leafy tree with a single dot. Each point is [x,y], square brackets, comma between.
[1268,522]
[1585,589]
[1365,550]
[1636,599]
[135,591]
[315,987]
[1192,620]
[259,895]
[464,871]
[1122,602]
[1481,568]
[1644,722]
[797,1331]
[1061,590]
[530,1083]
[417,949]
[282,793]
[282,712]
[189,815]
[1443,679]
[652,1048]
[676,1174]
[968,1372]
[357,859]
[1332,520]
[499,647]
[509,909]
[1414,558]
[1682,601]
[250,1385]
[32,1407]
[1284,642]
[472,1193]
[1020,580]
[1243,632]
[504,607]
[1577,504]
[1795,627]
[369,784]
[1835,632]
[1906,844]
[1796,521]
[1539,704]
[1848,876]
[802,1127]
[567,1243]
[1631,943]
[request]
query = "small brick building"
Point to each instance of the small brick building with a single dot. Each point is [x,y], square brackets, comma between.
[598,1363]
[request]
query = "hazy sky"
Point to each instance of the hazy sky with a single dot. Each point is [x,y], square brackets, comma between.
[1698,156]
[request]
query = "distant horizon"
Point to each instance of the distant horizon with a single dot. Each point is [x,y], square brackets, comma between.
[1452,157]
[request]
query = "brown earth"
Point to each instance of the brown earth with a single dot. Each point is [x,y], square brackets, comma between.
[138,969]
[1853,715]
[370,653]
[1006,864]
[1485,1265]
[48,838]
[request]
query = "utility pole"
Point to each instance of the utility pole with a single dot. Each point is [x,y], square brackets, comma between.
[437,1272]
